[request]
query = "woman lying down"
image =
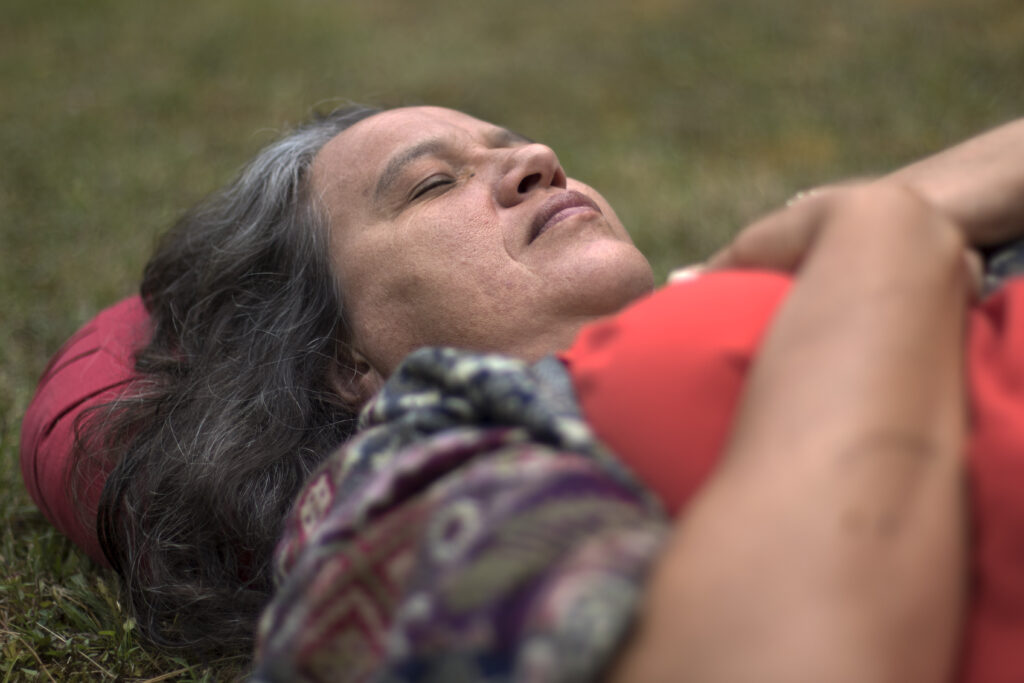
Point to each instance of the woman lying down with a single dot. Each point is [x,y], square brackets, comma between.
[840,503]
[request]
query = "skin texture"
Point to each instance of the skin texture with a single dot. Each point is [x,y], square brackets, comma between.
[979,184]
[441,249]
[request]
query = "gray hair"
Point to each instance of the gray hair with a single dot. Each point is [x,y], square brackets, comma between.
[232,404]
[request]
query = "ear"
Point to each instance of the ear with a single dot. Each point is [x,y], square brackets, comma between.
[354,379]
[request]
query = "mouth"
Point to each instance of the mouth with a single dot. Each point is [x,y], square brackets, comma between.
[558,208]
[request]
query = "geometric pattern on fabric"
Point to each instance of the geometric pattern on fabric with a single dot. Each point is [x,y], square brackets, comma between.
[474,529]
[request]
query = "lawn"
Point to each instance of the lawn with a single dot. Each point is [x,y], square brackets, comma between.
[691,117]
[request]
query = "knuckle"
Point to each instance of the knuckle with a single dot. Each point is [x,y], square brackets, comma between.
[889,204]
[883,196]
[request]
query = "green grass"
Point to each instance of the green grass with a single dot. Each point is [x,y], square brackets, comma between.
[692,117]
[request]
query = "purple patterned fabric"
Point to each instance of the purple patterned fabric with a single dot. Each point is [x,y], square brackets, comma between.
[473,530]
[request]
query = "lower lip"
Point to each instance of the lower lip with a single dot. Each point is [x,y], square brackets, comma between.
[562,215]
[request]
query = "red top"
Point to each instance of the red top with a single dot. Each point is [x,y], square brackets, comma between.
[659,383]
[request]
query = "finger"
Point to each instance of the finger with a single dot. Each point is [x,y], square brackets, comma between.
[779,241]
[976,272]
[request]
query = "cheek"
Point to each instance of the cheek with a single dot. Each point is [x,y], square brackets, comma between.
[463,235]
[427,265]
[365,267]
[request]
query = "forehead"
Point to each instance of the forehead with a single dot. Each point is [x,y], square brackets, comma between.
[359,154]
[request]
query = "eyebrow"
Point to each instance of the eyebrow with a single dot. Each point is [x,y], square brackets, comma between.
[398,163]
[497,138]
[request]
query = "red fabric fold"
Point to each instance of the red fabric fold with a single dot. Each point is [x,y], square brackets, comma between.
[93,367]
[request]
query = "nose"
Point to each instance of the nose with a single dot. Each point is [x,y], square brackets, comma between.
[530,167]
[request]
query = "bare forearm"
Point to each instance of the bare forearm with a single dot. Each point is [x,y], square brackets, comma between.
[829,546]
[851,434]
[979,183]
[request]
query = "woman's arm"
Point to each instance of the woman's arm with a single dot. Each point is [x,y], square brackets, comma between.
[978,184]
[830,544]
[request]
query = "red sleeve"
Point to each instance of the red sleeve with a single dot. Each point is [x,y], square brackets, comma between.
[996,467]
[93,367]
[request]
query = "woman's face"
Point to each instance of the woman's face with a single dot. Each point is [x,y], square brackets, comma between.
[446,230]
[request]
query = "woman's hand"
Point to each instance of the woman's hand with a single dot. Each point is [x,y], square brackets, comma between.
[829,545]
[978,185]
[783,239]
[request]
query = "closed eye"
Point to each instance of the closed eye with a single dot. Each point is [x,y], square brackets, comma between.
[429,184]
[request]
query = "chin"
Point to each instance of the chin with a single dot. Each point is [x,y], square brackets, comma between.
[621,276]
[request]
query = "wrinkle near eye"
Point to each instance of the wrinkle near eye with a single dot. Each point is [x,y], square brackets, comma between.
[401,161]
[431,183]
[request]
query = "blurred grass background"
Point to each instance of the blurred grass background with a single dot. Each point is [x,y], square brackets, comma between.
[691,116]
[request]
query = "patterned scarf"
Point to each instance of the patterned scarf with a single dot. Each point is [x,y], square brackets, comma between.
[473,530]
